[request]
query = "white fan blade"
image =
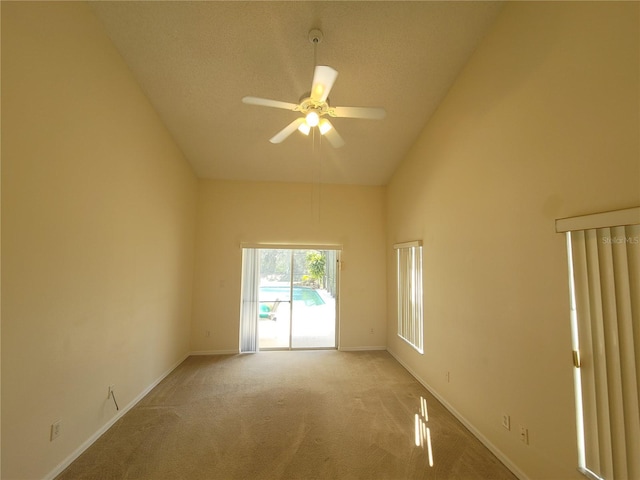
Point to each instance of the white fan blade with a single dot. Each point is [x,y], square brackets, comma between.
[286,131]
[265,102]
[372,113]
[333,136]
[323,78]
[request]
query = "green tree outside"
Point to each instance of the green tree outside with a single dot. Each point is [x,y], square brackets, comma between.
[316,263]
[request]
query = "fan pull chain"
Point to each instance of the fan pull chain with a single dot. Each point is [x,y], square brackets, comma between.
[320,162]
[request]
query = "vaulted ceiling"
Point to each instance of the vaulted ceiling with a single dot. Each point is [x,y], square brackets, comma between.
[196,60]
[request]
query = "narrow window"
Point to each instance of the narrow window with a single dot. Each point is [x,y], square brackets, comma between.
[604,277]
[409,271]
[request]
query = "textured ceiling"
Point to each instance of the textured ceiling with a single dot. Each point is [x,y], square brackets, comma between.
[196,60]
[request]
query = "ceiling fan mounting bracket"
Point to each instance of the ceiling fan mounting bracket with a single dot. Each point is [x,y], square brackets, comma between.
[315,36]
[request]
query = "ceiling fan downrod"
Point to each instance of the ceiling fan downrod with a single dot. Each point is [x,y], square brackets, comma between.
[315,37]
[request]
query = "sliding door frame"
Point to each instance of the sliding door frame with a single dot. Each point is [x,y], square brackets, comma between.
[321,247]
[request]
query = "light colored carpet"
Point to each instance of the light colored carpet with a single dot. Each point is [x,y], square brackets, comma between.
[286,415]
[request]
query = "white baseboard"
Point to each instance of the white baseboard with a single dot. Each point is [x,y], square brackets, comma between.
[215,352]
[80,450]
[361,349]
[476,433]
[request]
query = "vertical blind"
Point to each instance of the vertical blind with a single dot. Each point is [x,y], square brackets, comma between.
[605,279]
[409,271]
[249,308]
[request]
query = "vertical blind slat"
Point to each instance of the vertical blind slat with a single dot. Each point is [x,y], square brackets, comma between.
[633,253]
[600,357]
[623,268]
[612,353]
[587,351]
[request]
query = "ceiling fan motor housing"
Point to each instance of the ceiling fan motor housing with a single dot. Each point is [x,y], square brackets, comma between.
[308,104]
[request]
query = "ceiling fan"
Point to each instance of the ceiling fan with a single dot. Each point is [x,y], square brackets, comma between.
[314,106]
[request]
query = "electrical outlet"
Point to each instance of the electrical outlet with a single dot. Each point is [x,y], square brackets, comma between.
[55,430]
[371,331]
[111,388]
[506,421]
[524,434]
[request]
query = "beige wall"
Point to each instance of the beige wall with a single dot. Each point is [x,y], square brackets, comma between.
[542,124]
[98,228]
[230,213]
[99,216]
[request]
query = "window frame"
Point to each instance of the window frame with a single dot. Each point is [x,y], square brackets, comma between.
[410,295]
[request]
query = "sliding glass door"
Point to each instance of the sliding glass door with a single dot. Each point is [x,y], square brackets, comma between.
[296,297]
[313,319]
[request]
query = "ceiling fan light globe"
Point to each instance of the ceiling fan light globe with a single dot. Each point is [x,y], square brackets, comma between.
[312,119]
[304,128]
[324,126]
